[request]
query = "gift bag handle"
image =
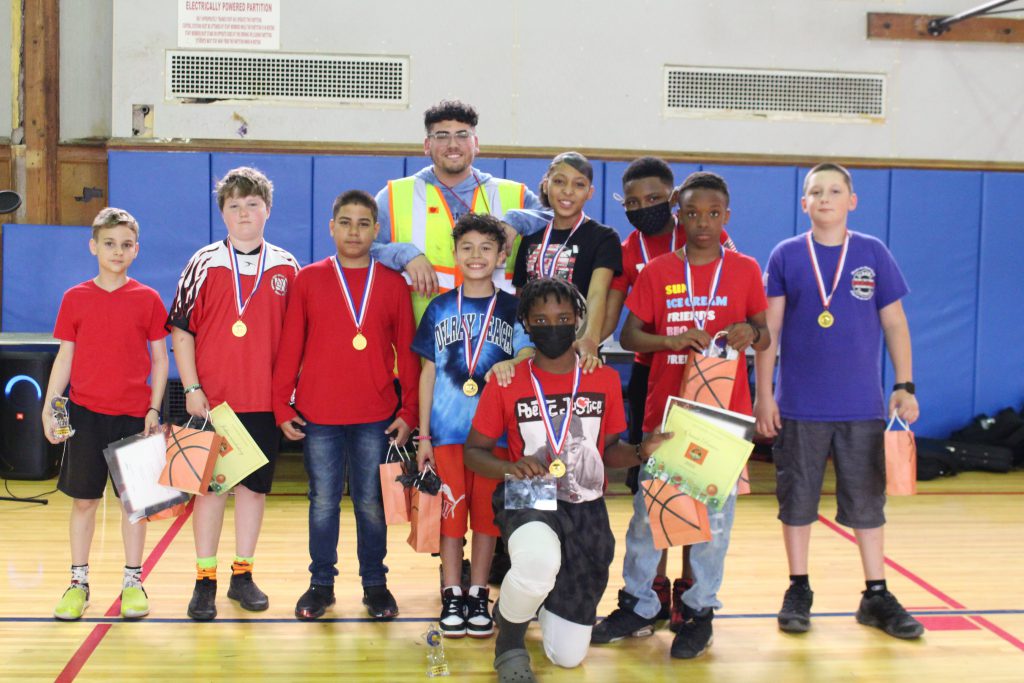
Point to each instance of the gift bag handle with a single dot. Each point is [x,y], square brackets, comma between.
[206,421]
[897,419]
[712,349]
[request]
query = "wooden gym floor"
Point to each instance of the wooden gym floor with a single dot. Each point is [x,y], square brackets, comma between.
[955,559]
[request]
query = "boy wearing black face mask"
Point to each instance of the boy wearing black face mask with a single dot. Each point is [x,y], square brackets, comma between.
[563,422]
[648,186]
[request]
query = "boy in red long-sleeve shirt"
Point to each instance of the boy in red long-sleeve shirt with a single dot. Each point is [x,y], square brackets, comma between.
[348,321]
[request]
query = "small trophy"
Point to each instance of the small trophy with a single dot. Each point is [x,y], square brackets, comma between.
[61,422]
[437,662]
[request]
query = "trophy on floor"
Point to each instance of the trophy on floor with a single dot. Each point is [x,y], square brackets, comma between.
[61,422]
[437,661]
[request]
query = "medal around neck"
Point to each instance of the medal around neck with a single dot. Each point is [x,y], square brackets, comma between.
[470,387]
[826,320]
[557,468]
[556,443]
[359,341]
[239,329]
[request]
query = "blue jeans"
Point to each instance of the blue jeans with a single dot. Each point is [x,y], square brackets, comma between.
[707,559]
[329,451]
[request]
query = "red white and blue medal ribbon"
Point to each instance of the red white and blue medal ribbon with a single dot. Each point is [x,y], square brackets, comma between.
[359,341]
[826,318]
[470,387]
[700,322]
[550,270]
[239,327]
[556,443]
[645,255]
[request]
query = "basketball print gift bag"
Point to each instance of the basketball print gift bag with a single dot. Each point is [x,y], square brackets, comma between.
[900,459]
[191,457]
[710,374]
[676,518]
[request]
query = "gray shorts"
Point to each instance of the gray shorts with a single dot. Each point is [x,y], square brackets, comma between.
[858,455]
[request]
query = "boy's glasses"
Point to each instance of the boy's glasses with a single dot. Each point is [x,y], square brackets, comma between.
[445,136]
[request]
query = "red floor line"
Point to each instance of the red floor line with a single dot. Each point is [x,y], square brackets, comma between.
[981,621]
[985,623]
[94,638]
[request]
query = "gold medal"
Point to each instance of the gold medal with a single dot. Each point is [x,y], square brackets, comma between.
[359,341]
[470,387]
[557,468]
[826,319]
[239,329]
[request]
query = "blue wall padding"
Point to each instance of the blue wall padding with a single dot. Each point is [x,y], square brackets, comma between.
[291,216]
[957,236]
[41,262]
[999,368]
[169,194]
[763,203]
[333,175]
[933,233]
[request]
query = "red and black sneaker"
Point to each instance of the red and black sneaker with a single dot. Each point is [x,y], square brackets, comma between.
[663,588]
[679,586]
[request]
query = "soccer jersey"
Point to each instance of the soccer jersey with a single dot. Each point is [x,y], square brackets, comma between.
[833,374]
[335,383]
[596,412]
[440,338]
[231,368]
[111,332]
[592,246]
[660,299]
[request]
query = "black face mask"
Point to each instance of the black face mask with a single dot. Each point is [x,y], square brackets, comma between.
[650,219]
[553,340]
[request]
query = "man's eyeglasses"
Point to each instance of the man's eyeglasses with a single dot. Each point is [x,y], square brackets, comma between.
[445,136]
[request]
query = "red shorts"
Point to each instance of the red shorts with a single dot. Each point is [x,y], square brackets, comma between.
[465,494]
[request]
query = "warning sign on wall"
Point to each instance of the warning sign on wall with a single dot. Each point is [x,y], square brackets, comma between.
[229,24]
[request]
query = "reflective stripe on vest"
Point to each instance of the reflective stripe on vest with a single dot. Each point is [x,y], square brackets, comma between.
[421,216]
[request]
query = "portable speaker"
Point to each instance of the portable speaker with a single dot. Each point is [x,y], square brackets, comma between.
[24,451]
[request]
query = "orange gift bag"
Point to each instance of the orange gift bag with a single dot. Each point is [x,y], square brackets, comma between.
[191,456]
[710,375]
[397,498]
[900,460]
[425,513]
[676,518]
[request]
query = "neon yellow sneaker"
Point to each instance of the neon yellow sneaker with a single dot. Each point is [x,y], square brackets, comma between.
[134,602]
[72,604]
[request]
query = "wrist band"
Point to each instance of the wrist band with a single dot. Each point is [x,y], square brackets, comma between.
[158,412]
[639,458]
[423,438]
[193,387]
[757,332]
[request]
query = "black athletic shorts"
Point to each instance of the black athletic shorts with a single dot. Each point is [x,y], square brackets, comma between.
[83,472]
[263,429]
[588,548]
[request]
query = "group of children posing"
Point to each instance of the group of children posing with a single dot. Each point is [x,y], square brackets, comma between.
[500,387]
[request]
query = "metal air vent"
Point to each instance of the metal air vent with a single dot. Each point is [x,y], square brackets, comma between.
[691,91]
[347,79]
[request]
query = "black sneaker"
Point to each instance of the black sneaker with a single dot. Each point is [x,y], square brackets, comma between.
[622,623]
[203,605]
[695,635]
[380,603]
[663,588]
[882,610]
[314,602]
[453,613]
[247,593]
[479,623]
[795,615]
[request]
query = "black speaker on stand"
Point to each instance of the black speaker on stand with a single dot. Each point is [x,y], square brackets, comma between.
[24,451]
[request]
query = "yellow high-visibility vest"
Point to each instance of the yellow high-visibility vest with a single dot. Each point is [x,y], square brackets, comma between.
[421,216]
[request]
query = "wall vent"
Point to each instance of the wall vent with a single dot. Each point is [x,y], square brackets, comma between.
[345,79]
[756,93]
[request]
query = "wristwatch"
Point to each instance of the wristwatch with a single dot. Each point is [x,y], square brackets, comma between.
[905,386]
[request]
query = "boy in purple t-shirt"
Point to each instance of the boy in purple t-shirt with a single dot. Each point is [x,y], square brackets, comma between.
[832,294]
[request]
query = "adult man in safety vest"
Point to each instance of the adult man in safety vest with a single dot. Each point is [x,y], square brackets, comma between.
[417,213]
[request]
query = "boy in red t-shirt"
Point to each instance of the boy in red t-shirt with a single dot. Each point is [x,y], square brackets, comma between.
[225,325]
[680,301]
[648,188]
[350,319]
[104,326]
[560,558]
